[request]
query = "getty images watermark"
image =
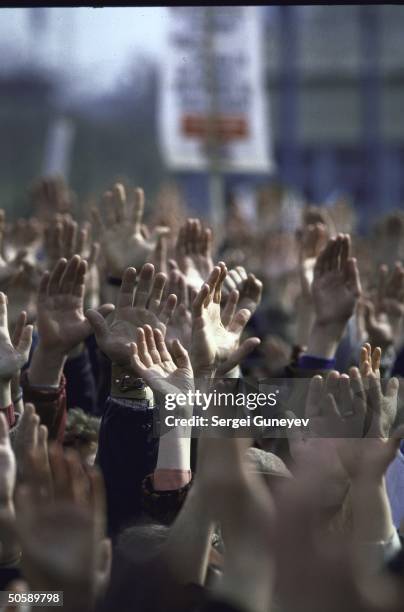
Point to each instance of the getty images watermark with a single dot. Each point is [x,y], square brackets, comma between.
[228,406]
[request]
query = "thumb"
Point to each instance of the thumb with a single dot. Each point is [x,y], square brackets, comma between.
[172,265]
[105,309]
[97,322]
[180,355]
[159,230]
[238,355]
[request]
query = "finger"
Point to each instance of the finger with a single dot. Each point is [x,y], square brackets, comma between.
[98,324]
[230,307]
[330,408]
[392,388]
[144,286]
[19,326]
[345,250]
[55,277]
[345,395]
[25,342]
[105,309]
[157,292]
[332,383]
[357,386]
[70,238]
[138,210]
[382,283]
[143,352]
[136,363]
[168,308]
[160,253]
[119,199]
[126,291]
[94,253]
[376,358]
[199,300]
[352,276]
[239,355]
[3,314]
[239,321]
[97,222]
[79,285]
[161,345]
[151,344]
[314,396]
[82,237]
[218,288]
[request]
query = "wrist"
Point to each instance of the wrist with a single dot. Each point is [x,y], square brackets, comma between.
[324,339]
[46,367]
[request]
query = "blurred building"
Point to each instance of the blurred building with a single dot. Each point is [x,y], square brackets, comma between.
[336,86]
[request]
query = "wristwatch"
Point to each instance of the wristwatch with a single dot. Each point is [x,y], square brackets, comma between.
[125,385]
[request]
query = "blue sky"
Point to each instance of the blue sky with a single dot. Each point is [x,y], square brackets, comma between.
[93,44]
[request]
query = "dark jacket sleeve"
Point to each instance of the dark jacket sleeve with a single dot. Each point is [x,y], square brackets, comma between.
[81,389]
[127,453]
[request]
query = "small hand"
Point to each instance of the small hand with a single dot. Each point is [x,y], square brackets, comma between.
[163,372]
[336,284]
[215,336]
[123,242]
[194,253]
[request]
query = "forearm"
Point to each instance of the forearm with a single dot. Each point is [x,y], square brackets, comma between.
[187,549]
[248,569]
[305,320]
[46,367]
[371,511]
[9,550]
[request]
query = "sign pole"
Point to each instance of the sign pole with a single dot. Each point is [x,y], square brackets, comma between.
[215,174]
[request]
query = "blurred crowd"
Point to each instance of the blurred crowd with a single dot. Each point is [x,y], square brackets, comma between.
[101,318]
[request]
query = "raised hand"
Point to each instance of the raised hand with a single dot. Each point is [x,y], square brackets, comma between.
[311,241]
[216,336]
[384,316]
[163,372]
[180,324]
[336,285]
[12,356]
[8,268]
[248,286]
[71,520]
[24,235]
[135,308]
[336,408]
[50,196]
[61,321]
[123,241]
[390,297]
[64,238]
[335,291]
[193,253]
